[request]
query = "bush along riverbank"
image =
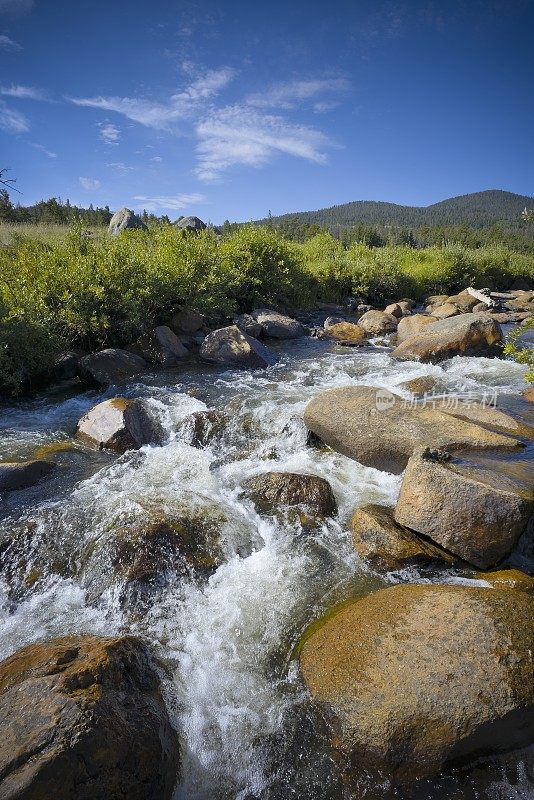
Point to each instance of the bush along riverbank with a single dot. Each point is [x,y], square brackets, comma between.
[86,293]
[211,534]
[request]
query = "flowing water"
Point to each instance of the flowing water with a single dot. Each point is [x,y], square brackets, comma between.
[225,639]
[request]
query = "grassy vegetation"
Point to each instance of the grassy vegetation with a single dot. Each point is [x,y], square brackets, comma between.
[60,289]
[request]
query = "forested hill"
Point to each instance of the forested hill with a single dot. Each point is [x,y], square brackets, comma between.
[478,210]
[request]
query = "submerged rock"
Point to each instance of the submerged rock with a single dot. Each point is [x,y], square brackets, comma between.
[233,348]
[414,678]
[120,424]
[463,335]
[385,545]
[20,475]
[83,717]
[110,366]
[161,346]
[420,386]
[380,430]
[203,426]
[378,322]
[124,219]
[476,521]
[271,491]
[278,326]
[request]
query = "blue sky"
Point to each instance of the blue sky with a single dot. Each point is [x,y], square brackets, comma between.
[229,110]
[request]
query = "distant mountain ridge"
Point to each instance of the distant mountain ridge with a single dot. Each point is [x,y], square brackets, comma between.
[478,209]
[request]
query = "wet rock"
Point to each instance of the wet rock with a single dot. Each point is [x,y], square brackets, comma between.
[408,326]
[187,321]
[419,387]
[230,347]
[120,424]
[464,301]
[161,346]
[83,717]
[23,474]
[445,311]
[190,225]
[203,426]
[464,335]
[124,219]
[508,579]
[145,556]
[247,324]
[476,521]
[414,678]
[377,322]
[380,430]
[346,332]
[385,545]
[110,366]
[273,490]
[278,326]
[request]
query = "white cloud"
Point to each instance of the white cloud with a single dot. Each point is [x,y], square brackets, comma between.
[43,150]
[120,166]
[288,95]
[109,133]
[12,121]
[8,44]
[157,159]
[181,105]
[90,184]
[239,135]
[173,203]
[23,92]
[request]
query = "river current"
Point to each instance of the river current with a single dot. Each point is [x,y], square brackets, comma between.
[225,641]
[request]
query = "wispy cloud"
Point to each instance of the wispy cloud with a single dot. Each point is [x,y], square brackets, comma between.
[109,133]
[120,166]
[12,121]
[8,44]
[239,135]
[43,150]
[172,203]
[290,94]
[157,159]
[89,184]
[23,92]
[181,105]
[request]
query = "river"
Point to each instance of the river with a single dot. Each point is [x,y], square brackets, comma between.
[226,640]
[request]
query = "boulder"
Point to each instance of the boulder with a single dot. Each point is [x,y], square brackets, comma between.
[23,474]
[124,219]
[408,326]
[508,317]
[187,321]
[508,579]
[381,430]
[271,490]
[523,302]
[278,326]
[464,335]
[110,366]
[333,320]
[407,304]
[528,394]
[120,424]
[464,302]
[66,365]
[478,522]
[161,346]
[420,386]
[83,717]
[385,545]
[232,348]
[190,225]
[445,311]
[435,300]
[377,322]
[346,332]
[394,309]
[247,324]
[414,678]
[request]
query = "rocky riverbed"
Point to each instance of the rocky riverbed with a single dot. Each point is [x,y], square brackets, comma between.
[200,562]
